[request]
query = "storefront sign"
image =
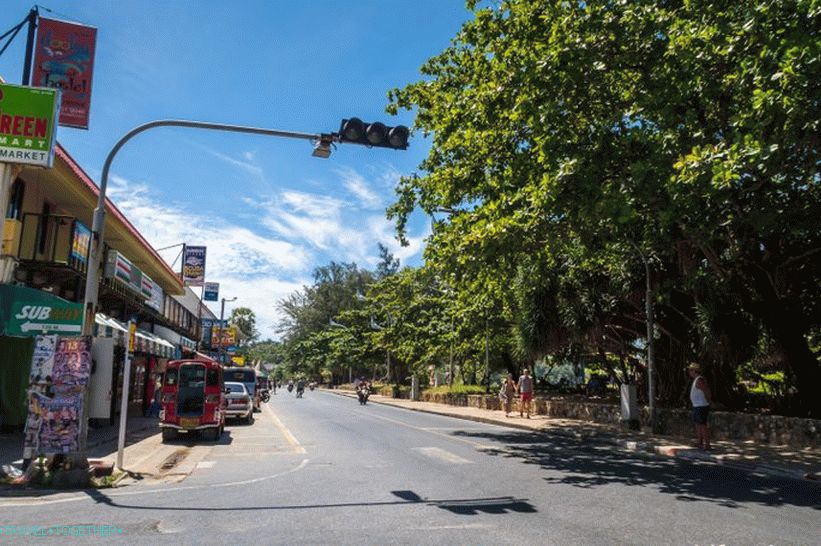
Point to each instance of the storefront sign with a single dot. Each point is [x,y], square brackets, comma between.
[229,336]
[59,370]
[56,317]
[193,265]
[28,131]
[238,360]
[120,268]
[211,291]
[157,298]
[64,59]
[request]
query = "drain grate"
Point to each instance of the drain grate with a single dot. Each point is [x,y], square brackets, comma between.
[174,459]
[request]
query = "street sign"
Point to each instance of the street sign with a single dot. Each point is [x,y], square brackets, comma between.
[52,318]
[211,291]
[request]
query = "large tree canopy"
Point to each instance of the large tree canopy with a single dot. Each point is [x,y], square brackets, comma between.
[572,140]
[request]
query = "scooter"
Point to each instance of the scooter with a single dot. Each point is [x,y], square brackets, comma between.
[299,393]
[363,394]
[290,388]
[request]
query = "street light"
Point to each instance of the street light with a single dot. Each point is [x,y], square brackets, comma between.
[332,323]
[322,149]
[222,314]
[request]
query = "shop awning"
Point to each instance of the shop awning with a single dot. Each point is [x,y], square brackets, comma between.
[146,342]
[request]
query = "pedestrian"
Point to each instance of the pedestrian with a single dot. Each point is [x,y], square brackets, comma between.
[507,392]
[700,399]
[526,392]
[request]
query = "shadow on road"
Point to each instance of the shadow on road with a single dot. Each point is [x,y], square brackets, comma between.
[589,464]
[462,507]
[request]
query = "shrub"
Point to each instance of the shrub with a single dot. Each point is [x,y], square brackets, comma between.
[457,389]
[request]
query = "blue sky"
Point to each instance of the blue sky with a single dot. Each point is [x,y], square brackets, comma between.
[268,211]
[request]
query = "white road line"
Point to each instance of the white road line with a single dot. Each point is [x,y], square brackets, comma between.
[294,443]
[84,496]
[442,455]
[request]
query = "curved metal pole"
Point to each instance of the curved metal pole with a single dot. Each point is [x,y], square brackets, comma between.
[98,223]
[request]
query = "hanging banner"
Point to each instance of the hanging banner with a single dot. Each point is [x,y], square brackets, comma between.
[193,265]
[28,128]
[211,291]
[60,369]
[64,59]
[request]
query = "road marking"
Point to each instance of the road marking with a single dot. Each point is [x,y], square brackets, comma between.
[442,455]
[429,430]
[205,464]
[84,496]
[292,441]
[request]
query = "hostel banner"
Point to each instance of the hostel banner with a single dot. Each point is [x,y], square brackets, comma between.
[193,265]
[64,59]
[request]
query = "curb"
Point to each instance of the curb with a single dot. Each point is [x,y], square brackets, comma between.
[684,453]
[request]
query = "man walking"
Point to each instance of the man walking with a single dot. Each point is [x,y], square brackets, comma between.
[526,391]
[700,399]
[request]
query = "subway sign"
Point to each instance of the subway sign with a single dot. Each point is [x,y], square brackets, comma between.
[55,318]
[28,131]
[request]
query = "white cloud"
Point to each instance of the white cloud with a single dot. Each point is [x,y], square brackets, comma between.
[356,184]
[278,243]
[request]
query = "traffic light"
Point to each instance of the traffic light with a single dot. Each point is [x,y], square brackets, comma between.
[374,134]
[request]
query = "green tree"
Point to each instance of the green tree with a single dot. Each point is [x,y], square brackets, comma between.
[583,135]
[245,320]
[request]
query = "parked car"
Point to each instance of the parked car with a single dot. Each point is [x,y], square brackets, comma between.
[248,377]
[240,405]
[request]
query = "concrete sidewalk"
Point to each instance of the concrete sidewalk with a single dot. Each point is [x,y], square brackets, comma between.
[756,459]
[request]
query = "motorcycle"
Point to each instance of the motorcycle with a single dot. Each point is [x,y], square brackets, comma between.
[299,393]
[311,386]
[362,393]
[290,388]
[265,396]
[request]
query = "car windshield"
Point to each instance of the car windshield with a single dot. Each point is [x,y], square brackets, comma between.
[235,388]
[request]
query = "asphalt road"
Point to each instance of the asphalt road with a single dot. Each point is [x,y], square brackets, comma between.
[325,470]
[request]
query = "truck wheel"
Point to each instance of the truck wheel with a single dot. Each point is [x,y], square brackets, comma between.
[169,434]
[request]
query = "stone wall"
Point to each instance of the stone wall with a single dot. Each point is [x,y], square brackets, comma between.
[724,425]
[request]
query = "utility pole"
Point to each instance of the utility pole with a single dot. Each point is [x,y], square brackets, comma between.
[32,21]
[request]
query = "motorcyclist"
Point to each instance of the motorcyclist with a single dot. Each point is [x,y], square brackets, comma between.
[300,387]
[362,391]
[290,385]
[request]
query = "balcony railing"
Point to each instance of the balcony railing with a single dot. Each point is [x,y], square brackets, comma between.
[53,239]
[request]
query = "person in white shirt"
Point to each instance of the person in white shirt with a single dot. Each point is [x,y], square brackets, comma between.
[700,399]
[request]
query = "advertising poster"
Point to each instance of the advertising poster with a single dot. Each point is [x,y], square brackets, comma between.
[211,291]
[64,60]
[193,265]
[80,243]
[28,126]
[60,368]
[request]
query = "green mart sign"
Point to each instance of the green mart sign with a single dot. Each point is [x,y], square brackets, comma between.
[28,118]
[45,318]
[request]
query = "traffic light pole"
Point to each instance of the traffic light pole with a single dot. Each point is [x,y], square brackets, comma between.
[80,458]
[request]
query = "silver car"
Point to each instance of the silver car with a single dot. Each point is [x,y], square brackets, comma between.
[239,404]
